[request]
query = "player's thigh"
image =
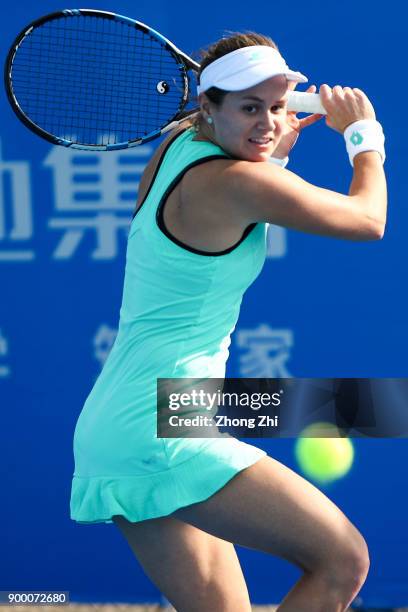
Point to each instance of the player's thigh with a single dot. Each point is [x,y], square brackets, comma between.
[270,508]
[193,569]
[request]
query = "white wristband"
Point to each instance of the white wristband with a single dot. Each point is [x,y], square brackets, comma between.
[364,135]
[279,162]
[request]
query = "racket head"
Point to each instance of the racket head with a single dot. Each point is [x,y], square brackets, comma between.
[94,80]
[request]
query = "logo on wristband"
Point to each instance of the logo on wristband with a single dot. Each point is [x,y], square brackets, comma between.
[356,138]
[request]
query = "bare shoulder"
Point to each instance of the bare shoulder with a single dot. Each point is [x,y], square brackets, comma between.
[228,187]
[205,187]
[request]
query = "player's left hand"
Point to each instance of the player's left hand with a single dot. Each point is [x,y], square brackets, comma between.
[294,126]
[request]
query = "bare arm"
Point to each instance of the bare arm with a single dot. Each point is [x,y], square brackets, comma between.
[369,183]
[261,192]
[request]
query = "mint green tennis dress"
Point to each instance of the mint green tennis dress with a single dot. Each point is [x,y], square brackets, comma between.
[179,308]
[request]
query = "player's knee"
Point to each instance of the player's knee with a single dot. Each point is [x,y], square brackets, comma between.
[357,556]
[349,564]
[361,561]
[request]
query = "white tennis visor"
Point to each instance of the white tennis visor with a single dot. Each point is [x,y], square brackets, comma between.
[245,68]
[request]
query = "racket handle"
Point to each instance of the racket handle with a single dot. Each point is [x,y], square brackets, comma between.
[303,102]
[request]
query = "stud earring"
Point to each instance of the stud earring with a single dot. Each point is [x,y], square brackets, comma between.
[209,120]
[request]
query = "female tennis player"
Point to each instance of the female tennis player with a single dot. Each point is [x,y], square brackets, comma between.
[196,242]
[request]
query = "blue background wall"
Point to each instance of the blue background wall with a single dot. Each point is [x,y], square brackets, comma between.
[321,307]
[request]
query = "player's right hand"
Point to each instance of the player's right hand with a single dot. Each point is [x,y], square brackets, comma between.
[345,105]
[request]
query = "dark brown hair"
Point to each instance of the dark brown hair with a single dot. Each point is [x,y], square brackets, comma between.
[235,40]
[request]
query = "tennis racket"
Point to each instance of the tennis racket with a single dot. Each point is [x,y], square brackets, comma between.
[94,80]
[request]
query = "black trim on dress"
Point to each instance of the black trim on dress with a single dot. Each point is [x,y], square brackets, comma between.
[166,148]
[162,203]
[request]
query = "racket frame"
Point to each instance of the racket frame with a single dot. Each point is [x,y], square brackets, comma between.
[185,63]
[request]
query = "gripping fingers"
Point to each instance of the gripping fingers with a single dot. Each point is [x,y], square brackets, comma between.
[345,105]
[325,93]
[338,90]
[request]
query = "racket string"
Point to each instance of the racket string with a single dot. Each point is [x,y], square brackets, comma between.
[96,78]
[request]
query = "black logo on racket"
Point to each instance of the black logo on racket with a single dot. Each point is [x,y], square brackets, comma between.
[162,87]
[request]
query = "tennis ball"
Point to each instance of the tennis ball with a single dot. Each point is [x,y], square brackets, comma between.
[323,459]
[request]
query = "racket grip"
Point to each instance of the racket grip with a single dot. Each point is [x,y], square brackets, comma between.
[303,102]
